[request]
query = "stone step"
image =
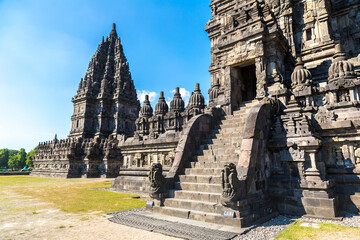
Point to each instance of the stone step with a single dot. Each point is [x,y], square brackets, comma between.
[206,164]
[219,145]
[200,179]
[229,126]
[219,158]
[201,187]
[202,158]
[239,129]
[223,140]
[195,195]
[207,198]
[219,151]
[230,134]
[199,216]
[248,104]
[236,138]
[356,199]
[229,122]
[202,206]
[242,110]
[220,140]
[231,119]
[227,131]
[238,117]
[241,116]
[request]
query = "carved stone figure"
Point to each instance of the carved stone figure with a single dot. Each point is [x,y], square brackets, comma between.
[157,180]
[230,184]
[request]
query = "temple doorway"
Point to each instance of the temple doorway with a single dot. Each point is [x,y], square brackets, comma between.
[243,84]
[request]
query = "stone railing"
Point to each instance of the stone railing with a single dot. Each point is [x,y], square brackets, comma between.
[189,141]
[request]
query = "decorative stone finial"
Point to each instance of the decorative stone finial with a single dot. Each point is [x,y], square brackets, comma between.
[55,139]
[161,107]
[339,54]
[197,87]
[340,67]
[197,99]
[177,104]
[300,77]
[113,31]
[214,91]
[146,110]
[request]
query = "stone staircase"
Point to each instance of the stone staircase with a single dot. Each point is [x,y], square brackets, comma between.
[197,194]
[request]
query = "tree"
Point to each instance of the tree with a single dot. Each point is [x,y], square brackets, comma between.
[22,158]
[18,161]
[13,152]
[29,158]
[4,158]
[13,161]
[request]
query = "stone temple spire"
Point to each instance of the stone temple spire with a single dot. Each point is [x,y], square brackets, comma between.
[113,33]
[107,84]
[109,62]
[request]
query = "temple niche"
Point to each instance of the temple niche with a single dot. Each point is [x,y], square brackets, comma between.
[280,133]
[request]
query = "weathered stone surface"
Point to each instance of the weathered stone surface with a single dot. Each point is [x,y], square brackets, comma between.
[290,127]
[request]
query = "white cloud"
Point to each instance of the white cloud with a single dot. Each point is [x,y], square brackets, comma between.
[168,101]
[185,94]
[152,96]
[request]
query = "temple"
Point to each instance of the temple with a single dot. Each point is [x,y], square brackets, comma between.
[105,110]
[280,134]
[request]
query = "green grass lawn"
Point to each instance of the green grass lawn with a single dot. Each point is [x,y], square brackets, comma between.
[72,195]
[326,231]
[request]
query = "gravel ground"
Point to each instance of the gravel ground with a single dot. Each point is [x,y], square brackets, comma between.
[349,220]
[269,229]
[275,226]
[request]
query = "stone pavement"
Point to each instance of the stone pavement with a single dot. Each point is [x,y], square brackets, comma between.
[174,227]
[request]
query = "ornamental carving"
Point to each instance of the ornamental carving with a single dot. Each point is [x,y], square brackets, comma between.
[325,116]
[230,184]
[297,154]
[157,180]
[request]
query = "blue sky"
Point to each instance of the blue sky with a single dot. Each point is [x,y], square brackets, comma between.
[46,45]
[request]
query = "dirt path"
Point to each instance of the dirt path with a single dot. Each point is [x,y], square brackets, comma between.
[25,218]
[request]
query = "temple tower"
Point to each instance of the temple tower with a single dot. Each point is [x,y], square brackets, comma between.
[248,52]
[106,101]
